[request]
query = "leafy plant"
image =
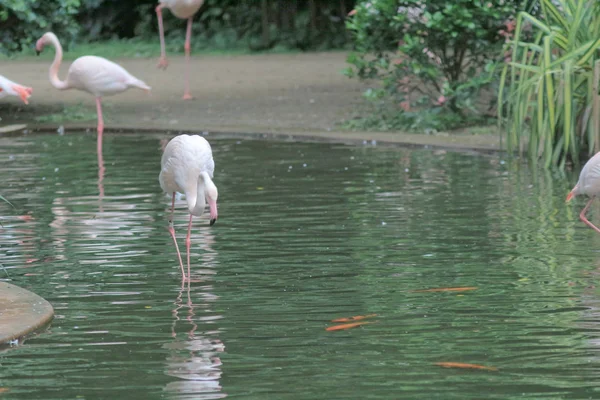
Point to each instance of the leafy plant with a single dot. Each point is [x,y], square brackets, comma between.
[431,58]
[549,90]
[24,21]
[224,24]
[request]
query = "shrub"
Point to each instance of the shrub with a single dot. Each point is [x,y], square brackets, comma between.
[431,58]
[551,103]
[225,24]
[22,22]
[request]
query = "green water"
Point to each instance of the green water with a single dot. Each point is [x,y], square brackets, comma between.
[307,233]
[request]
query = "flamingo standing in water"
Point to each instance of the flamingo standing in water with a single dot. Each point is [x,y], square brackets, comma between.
[10,88]
[589,184]
[184,9]
[187,167]
[95,75]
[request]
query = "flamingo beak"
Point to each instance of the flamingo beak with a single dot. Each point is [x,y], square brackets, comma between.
[570,196]
[23,92]
[212,204]
[39,45]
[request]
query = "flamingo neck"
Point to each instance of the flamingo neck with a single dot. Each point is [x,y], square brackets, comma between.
[54,79]
[196,199]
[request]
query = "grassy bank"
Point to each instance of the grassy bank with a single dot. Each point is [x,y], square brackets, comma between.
[137,48]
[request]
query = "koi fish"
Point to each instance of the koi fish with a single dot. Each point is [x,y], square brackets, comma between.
[452,289]
[465,365]
[355,318]
[345,326]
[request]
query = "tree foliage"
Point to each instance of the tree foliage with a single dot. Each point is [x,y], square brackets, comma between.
[432,57]
[264,24]
[24,21]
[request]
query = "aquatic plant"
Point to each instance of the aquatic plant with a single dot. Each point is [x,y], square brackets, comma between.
[548,100]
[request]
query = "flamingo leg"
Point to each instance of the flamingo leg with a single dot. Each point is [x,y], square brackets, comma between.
[188,48]
[100,125]
[101,170]
[99,147]
[162,61]
[172,232]
[584,219]
[188,243]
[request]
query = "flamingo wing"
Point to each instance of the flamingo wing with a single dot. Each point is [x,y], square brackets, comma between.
[99,76]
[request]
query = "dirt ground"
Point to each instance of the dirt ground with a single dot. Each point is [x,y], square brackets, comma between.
[302,95]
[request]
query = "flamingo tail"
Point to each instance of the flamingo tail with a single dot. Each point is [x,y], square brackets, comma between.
[140,84]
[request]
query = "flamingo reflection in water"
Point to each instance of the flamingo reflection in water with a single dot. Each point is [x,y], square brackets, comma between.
[194,357]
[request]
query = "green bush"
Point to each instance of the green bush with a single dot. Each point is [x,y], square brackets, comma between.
[429,58]
[220,24]
[551,105]
[22,22]
[224,24]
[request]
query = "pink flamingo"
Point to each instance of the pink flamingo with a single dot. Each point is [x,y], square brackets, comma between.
[187,167]
[184,9]
[95,75]
[10,88]
[589,184]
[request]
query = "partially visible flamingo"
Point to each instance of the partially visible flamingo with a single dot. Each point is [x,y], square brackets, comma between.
[10,88]
[588,184]
[187,167]
[95,75]
[184,9]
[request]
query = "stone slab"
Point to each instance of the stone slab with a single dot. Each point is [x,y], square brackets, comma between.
[21,312]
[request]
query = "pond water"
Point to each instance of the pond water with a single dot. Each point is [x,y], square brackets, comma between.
[307,233]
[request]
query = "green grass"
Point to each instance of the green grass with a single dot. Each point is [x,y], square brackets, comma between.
[78,112]
[137,48]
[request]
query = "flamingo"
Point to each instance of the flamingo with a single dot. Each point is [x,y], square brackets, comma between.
[588,184]
[187,167]
[184,9]
[10,88]
[95,75]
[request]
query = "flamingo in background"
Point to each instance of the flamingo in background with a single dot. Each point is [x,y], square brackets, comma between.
[184,9]
[95,75]
[187,167]
[10,88]
[589,184]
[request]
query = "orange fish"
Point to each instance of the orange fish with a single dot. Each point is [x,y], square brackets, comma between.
[449,289]
[465,365]
[345,326]
[355,318]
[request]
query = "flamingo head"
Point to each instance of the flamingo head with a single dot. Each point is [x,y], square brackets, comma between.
[573,193]
[39,46]
[211,193]
[41,42]
[23,92]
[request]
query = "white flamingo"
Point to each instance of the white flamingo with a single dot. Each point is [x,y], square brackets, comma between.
[588,184]
[187,167]
[95,75]
[184,9]
[10,88]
